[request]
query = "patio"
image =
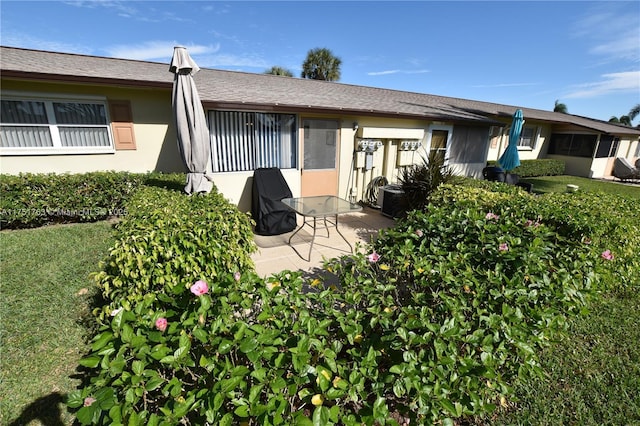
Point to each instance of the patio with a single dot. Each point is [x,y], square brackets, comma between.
[275,254]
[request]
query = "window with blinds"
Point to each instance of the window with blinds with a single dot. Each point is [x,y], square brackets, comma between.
[41,126]
[245,141]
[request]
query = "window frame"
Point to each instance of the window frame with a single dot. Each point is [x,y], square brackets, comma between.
[535,131]
[224,150]
[54,128]
[429,134]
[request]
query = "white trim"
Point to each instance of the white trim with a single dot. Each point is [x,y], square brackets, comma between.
[446,127]
[44,96]
[57,149]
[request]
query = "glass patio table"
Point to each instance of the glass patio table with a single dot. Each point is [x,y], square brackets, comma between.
[320,209]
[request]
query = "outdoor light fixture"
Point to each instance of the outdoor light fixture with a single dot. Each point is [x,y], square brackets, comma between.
[355,125]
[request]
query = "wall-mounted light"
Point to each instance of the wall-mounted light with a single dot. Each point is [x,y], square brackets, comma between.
[355,125]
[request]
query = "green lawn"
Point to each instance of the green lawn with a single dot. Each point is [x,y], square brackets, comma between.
[559,184]
[593,377]
[45,294]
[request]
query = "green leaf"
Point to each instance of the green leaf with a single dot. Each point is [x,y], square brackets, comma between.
[90,362]
[75,399]
[320,416]
[137,367]
[448,405]
[242,411]
[101,340]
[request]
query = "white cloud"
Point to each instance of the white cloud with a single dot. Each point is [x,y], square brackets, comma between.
[228,60]
[383,72]
[25,41]
[157,50]
[388,72]
[613,29]
[122,8]
[625,46]
[484,86]
[625,82]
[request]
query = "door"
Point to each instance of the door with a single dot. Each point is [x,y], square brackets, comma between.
[319,173]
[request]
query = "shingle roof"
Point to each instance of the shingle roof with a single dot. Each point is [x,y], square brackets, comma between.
[218,87]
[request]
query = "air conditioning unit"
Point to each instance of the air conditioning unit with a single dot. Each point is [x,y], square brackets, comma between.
[391,201]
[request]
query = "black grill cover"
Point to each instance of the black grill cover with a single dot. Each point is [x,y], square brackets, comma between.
[271,216]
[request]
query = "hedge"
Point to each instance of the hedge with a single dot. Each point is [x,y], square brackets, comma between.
[433,323]
[543,167]
[32,200]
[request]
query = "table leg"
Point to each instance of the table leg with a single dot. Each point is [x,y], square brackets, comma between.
[340,233]
[312,238]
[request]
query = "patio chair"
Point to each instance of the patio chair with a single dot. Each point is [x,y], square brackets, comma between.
[272,217]
[624,171]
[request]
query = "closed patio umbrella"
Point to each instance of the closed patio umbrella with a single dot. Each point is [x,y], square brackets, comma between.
[510,158]
[191,124]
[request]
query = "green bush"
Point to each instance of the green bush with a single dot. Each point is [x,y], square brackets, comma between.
[169,239]
[31,200]
[599,220]
[433,322]
[543,167]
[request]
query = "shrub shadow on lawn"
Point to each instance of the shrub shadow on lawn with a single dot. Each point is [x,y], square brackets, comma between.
[46,409]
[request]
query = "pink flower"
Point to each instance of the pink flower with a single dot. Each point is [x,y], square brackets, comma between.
[503,247]
[491,216]
[88,401]
[607,255]
[199,288]
[419,232]
[237,276]
[373,257]
[161,324]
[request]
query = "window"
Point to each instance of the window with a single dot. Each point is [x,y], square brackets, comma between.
[608,146]
[573,145]
[320,144]
[438,137]
[54,126]
[528,137]
[243,141]
[468,144]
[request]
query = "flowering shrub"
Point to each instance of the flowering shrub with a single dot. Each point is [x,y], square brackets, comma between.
[169,240]
[433,322]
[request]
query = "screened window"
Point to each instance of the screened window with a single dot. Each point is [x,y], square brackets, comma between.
[54,126]
[608,146]
[573,145]
[244,141]
[528,137]
[468,144]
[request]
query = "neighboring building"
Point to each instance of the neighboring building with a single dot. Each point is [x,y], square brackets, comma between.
[75,113]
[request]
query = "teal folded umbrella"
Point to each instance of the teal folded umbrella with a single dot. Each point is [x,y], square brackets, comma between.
[510,158]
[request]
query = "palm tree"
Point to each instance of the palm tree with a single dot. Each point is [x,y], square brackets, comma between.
[624,120]
[276,70]
[635,111]
[321,64]
[560,107]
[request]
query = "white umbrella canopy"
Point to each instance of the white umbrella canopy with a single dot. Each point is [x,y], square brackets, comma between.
[191,123]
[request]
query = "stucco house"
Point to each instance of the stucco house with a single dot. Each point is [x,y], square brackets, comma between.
[75,113]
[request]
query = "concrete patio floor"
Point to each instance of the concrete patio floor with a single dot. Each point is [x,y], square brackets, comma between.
[275,254]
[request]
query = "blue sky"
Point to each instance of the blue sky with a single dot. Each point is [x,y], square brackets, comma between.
[584,54]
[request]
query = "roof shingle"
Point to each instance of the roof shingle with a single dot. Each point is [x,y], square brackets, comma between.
[219,87]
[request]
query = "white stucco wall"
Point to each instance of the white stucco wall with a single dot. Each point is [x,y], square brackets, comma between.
[156,146]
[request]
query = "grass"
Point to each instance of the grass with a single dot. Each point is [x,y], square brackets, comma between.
[46,293]
[559,184]
[592,377]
